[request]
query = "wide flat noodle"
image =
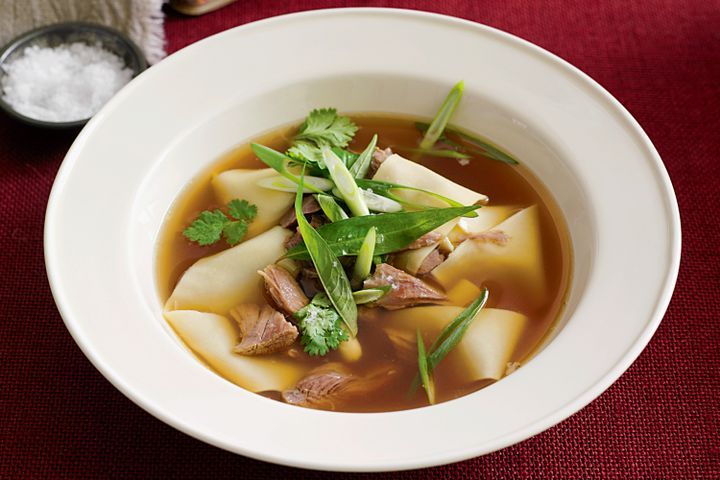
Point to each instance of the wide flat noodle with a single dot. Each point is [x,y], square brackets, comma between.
[487,218]
[515,264]
[220,282]
[485,350]
[212,337]
[397,169]
[242,184]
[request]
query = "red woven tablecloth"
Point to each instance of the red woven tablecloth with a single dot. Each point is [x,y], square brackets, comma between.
[59,418]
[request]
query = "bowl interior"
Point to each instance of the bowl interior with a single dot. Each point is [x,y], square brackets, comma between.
[135,156]
[64,33]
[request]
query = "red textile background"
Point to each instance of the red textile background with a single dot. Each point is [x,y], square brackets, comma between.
[59,418]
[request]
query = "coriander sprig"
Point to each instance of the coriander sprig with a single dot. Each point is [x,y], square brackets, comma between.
[212,225]
[321,327]
[323,127]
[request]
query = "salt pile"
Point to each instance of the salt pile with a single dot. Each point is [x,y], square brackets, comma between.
[64,83]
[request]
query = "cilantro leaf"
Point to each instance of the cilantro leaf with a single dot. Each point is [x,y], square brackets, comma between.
[241,209]
[322,127]
[233,232]
[207,228]
[320,326]
[303,151]
[212,225]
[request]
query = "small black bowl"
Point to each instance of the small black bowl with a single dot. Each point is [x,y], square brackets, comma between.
[69,32]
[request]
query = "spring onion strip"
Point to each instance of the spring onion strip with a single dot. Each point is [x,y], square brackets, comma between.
[284,184]
[434,152]
[279,162]
[425,374]
[442,117]
[370,295]
[345,183]
[451,335]
[375,202]
[364,259]
[474,144]
[330,208]
[360,168]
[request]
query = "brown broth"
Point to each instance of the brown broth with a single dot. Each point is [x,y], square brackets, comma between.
[504,184]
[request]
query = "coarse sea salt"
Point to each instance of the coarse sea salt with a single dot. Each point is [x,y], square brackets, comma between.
[64,83]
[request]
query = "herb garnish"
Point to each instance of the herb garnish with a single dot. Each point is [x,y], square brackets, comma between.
[280,162]
[330,208]
[370,295]
[321,326]
[362,164]
[442,117]
[477,145]
[448,339]
[329,269]
[364,259]
[323,127]
[437,152]
[453,333]
[425,377]
[386,189]
[211,225]
[395,231]
[344,183]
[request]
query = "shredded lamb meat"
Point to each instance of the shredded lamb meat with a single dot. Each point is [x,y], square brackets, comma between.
[431,261]
[309,280]
[283,288]
[296,238]
[263,330]
[318,387]
[379,156]
[328,384]
[309,205]
[405,291]
[424,241]
[293,240]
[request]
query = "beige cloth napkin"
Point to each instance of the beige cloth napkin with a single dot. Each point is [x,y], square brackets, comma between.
[141,20]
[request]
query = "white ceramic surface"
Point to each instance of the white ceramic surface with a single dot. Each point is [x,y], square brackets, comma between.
[134,157]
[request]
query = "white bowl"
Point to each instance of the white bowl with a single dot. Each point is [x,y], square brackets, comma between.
[134,157]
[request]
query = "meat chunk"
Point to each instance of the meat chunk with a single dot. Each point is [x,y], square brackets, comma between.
[424,241]
[379,156]
[295,239]
[318,388]
[330,384]
[309,280]
[309,205]
[431,261]
[284,289]
[263,330]
[405,291]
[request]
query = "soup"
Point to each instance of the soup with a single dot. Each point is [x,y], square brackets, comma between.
[444,304]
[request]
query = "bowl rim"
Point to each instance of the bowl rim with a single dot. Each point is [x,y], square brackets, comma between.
[18,43]
[569,408]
